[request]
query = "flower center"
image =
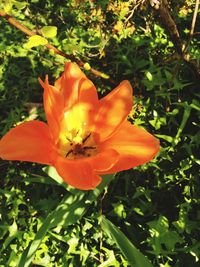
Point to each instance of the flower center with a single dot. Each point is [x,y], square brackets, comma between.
[74,146]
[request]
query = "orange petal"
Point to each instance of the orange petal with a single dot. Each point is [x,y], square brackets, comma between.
[81,114]
[71,88]
[104,161]
[88,99]
[78,173]
[68,83]
[113,110]
[134,145]
[87,92]
[53,105]
[29,141]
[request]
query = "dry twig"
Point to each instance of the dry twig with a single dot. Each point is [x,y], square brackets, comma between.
[171,27]
[192,25]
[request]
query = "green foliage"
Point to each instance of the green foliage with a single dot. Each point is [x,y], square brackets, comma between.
[49,31]
[35,41]
[68,212]
[134,256]
[156,205]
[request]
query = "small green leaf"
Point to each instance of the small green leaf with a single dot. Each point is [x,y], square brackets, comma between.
[186,115]
[157,122]
[20,5]
[111,261]
[8,6]
[161,234]
[168,138]
[49,31]
[149,75]
[132,254]
[35,41]
[73,243]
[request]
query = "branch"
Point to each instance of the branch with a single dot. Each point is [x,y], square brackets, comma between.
[194,18]
[192,25]
[170,25]
[28,32]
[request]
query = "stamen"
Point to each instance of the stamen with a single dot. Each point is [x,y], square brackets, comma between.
[77,147]
[86,138]
[69,152]
[89,147]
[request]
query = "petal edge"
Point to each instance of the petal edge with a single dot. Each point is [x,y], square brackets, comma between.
[77,173]
[113,110]
[29,141]
[135,146]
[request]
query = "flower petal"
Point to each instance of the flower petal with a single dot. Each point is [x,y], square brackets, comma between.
[104,160]
[81,115]
[68,83]
[113,110]
[29,141]
[135,146]
[70,89]
[87,92]
[53,106]
[78,173]
[88,100]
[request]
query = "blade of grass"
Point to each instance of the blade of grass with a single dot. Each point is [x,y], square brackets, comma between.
[186,115]
[69,211]
[132,254]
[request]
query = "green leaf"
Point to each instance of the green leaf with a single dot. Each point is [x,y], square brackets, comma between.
[7,6]
[165,137]
[13,233]
[186,115]
[49,31]
[111,261]
[20,5]
[160,234]
[35,41]
[157,122]
[132,254]
[149,75]
[69,211]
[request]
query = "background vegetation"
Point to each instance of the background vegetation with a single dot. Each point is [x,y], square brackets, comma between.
[156,206]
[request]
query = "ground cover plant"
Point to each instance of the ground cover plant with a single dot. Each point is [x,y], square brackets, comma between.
[146,216]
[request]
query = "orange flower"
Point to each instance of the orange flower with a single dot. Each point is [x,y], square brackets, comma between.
[84,137]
